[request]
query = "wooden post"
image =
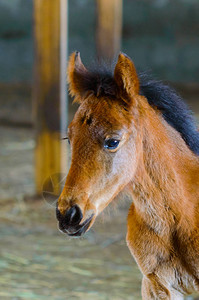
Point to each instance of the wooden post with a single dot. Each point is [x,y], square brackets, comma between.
[109,28]
[50,29]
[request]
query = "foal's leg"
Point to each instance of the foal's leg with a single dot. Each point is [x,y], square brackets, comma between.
[153,290]
[146,248]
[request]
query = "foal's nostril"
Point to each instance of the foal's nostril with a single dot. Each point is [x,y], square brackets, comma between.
[74,215]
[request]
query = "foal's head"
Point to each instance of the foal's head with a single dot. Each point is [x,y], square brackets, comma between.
[104,139]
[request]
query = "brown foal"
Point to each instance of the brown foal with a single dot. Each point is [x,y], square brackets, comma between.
[122,141]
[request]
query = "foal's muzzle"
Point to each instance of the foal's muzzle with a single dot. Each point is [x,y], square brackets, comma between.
[70,221]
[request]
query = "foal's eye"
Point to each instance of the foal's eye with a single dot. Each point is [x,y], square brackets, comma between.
[111,144]
[66,138]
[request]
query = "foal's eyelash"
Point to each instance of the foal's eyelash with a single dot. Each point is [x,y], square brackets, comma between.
[65,138]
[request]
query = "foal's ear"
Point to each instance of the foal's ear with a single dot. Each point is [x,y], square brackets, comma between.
[126,78]
[76,71]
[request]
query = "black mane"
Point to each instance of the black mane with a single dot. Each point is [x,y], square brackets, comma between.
[174,110]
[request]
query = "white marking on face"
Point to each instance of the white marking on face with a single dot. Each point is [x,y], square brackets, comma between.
[121,173]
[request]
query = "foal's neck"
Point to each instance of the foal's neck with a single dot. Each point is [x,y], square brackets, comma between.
[166,177]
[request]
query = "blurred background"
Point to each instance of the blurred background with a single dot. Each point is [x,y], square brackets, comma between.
[36,37]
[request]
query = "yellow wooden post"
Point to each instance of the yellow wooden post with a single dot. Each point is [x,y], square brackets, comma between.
[109,27]
[49,102]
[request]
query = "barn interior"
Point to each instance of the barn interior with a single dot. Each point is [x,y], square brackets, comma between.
[36,260]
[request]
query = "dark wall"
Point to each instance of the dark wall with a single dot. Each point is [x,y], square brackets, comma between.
[160,35]
[16,44]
